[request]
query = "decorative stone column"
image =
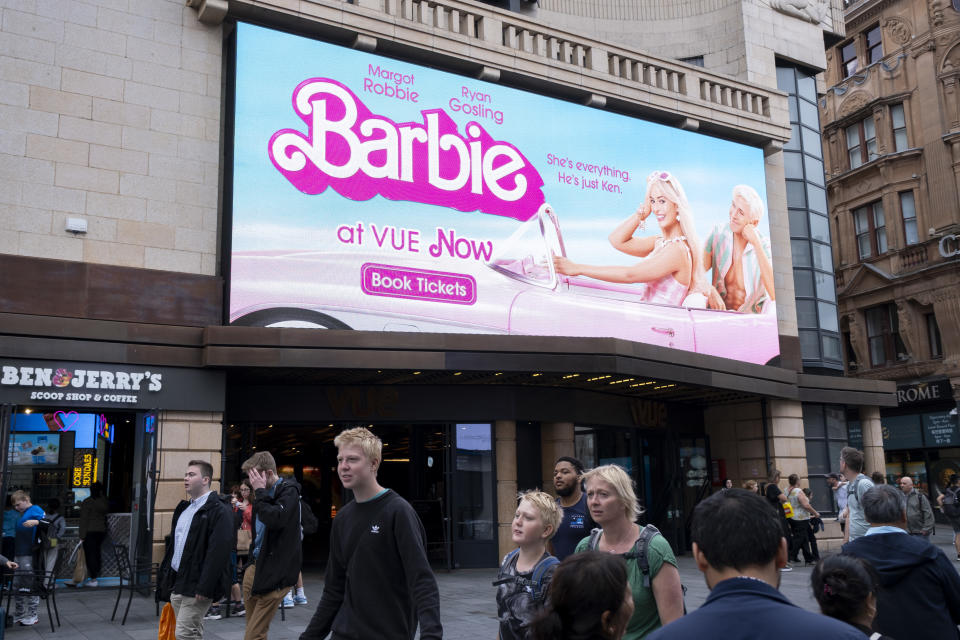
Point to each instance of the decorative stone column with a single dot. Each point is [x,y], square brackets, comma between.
[183,436]
[506,435]
[874,459]
[556,439]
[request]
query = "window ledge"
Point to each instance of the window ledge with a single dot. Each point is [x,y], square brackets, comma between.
[877,162]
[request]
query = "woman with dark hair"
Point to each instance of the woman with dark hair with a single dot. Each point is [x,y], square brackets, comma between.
[589,599]
[846,589]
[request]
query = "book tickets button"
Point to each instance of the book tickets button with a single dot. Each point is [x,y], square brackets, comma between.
[417,284]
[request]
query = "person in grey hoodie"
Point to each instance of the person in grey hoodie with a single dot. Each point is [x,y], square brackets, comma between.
[919,596]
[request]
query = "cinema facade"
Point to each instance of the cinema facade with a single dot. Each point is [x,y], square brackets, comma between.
[397,206]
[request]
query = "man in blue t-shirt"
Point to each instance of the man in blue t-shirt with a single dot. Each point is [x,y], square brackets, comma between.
[25,607]
[576,523]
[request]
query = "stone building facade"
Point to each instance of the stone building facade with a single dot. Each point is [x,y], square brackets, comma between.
[116,121]
[891,145]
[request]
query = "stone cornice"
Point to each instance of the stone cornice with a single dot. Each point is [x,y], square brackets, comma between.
[468,36]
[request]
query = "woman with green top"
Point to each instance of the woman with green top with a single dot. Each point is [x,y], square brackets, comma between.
[657,596]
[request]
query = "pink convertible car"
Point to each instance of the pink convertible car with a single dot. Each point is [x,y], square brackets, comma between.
[516,292]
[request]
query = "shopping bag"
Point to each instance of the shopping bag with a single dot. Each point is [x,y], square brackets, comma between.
[168,624]
[244,540]
[80,569]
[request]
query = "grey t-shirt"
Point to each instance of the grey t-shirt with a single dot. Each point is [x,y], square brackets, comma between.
[857,521]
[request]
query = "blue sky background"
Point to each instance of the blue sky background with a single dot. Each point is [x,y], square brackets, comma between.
[270,213]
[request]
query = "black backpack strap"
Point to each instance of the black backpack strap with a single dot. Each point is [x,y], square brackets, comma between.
[639,551]
[507,559]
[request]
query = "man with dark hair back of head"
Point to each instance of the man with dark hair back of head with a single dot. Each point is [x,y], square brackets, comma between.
[196,566]
[277,537]
[851,466]
[739,546]
[919,595]
[576,523]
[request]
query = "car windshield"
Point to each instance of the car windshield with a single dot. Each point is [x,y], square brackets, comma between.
[528,253]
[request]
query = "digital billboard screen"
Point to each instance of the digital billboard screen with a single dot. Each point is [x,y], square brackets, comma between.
[374,194]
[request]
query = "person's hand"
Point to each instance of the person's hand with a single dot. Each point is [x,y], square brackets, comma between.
[257,480]
[564,266]
[200,597]
[714,301]
[750,233]
[31,523]
[12,565]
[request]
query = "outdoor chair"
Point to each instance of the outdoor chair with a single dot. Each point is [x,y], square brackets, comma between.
[141,578]
[38,583]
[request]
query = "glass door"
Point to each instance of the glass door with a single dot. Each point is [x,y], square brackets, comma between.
[145,476]
[474,504]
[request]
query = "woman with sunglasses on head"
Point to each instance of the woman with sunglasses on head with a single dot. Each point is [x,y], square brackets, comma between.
[672,261]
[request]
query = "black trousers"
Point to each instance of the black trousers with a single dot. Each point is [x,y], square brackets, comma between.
[801,540]
[91,552]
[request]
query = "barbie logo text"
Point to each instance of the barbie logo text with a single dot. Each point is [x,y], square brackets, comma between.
[361,155]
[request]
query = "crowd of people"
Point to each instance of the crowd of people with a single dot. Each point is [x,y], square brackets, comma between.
[621,581]
[583,567]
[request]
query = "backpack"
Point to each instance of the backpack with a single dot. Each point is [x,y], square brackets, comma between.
[951,502]
[308,521]
[47,525]
[639,550]
[535,582]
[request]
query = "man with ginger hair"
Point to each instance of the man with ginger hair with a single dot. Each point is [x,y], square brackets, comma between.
[275,554]
[738,257]
[378,582]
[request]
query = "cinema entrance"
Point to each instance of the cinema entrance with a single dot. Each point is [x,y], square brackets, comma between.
[445,470]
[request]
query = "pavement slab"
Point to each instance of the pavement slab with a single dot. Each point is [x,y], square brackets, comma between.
[467,606]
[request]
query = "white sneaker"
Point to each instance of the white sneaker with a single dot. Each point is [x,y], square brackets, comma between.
[91,583]
[287,602]
[30,621]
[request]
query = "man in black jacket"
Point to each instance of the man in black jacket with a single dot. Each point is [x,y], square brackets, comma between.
[275,553]
[196,566]
[919,596]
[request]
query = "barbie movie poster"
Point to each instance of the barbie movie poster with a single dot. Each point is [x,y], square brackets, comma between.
[373,194]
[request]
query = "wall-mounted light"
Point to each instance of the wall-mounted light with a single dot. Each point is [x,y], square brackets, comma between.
[76,225]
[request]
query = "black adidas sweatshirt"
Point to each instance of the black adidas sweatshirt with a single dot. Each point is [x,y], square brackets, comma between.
[378,582]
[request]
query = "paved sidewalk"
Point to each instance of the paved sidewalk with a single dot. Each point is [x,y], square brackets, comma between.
[468,607]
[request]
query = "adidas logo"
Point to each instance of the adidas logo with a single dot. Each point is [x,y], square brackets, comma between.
[375,529]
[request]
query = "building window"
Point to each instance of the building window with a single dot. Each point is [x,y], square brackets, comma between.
[933,335]
[861,142]
[883,335]
[848,58]
[874,45]
[871,230]
[899,123]
[696,61]
[825,434]
[908,210]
